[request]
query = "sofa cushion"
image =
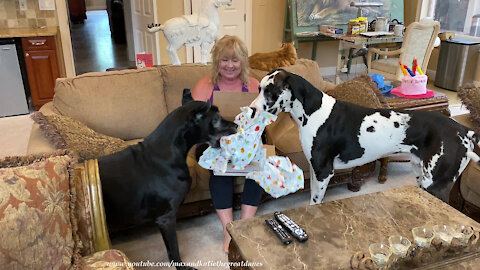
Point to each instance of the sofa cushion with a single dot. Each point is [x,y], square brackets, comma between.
[309,70]
[66,133]
[469,185]
[361,91]
[127,104]
[177,78]
[470,97]
[37,225]
[306,68]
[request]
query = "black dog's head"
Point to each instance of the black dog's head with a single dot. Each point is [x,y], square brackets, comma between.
[205,121]
[275,93]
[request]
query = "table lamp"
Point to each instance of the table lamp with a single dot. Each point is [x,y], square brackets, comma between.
[361,5]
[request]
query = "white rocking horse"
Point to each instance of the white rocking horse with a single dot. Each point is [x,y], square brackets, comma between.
[192,30]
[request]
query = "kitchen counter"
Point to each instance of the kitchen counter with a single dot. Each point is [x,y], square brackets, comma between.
[28,32]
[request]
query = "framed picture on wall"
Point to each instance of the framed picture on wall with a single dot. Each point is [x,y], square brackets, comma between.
[334,12]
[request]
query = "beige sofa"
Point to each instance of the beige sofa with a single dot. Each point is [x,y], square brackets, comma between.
[129,104]
[465,193]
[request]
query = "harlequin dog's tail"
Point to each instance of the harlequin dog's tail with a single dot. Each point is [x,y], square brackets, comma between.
[474,153]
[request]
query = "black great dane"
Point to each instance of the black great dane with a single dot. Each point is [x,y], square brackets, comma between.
[148,181]
[340,135]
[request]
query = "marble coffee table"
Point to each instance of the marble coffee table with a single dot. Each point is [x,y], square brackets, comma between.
[338,229]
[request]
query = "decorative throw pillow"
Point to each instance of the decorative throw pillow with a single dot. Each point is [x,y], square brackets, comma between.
[66,133]
[37,225]
[470,96]
[361,91]
[106,259]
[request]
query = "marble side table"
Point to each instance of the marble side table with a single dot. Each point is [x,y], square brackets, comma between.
[338,229]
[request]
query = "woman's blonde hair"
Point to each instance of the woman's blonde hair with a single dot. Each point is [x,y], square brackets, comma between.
[240,51]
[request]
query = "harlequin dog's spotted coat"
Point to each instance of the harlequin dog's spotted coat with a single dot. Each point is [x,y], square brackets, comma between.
[340,135]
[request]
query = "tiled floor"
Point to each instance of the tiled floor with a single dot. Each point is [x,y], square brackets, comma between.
[93,47]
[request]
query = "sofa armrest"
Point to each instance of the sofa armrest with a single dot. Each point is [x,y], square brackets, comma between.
[38,143]
[283,133]
[329,86]
[90,212]
[464,119]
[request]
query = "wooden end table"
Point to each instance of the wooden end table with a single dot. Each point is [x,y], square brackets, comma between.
[338,229]
[437,103]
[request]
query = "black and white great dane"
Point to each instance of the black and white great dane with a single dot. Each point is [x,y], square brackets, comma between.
[339,135]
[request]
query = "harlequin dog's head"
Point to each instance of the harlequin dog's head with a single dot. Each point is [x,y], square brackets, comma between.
[275,93]
[204,122]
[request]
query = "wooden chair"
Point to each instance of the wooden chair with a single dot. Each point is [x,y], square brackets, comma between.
[417,43]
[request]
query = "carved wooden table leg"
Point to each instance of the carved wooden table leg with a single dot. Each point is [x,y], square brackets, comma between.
[382,175]
[358,174]
[355,185]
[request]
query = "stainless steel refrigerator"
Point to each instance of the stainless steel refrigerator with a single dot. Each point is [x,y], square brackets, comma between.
[13,97]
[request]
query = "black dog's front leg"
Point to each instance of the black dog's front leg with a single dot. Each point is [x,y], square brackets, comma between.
[167,228]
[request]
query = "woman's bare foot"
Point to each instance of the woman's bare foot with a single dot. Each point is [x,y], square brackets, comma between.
[226,216]
[226,242]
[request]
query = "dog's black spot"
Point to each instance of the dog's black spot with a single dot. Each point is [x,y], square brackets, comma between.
[385,113]
[281,103]
[271,77]
[371,129]
[305,120]
[314,200]
[273,110]
[292,98]
[254,110]
[264,107]
[396,124]
[374,121]
[300,118]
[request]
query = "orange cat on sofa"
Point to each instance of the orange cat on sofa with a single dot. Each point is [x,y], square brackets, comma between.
[285,56]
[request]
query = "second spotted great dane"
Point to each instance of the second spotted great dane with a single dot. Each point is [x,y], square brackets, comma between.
[340,135]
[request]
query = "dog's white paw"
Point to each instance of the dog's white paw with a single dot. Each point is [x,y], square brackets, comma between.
[475,158]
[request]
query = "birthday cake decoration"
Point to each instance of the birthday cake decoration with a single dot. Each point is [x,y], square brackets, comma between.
[414,82]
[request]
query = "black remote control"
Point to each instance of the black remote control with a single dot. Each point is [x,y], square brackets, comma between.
[279,231]
[291,226]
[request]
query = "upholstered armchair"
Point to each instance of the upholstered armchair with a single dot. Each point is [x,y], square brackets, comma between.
[417,43]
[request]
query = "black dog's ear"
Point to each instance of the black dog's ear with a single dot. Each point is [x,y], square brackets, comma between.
[281,78]
[199,112]
[187,96]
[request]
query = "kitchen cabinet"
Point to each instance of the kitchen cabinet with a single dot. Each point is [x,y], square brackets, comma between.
[42,67]
[77,10]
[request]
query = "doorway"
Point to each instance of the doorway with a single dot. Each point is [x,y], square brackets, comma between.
[235,19]
[99,40]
